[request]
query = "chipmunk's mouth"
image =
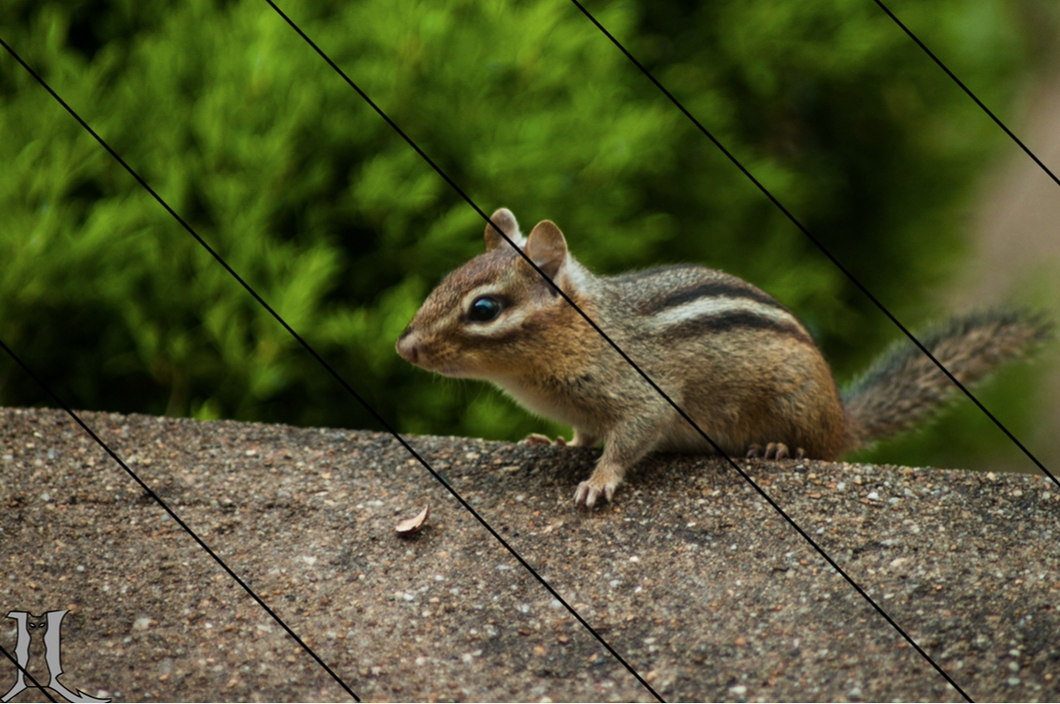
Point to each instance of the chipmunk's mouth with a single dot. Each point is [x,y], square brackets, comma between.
[450,370]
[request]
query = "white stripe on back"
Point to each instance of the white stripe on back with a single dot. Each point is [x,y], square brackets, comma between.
[713,306]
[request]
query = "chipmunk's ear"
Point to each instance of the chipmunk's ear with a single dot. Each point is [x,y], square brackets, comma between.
[503,219]
[546,247]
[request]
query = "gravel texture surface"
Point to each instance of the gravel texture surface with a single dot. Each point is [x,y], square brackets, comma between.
[690,576]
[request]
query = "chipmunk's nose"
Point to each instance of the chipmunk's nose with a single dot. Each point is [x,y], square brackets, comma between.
[407,345]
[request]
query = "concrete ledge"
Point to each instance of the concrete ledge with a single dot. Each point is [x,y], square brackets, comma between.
[690,576]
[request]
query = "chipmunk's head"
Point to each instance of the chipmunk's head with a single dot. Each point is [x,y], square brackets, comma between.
[490,317]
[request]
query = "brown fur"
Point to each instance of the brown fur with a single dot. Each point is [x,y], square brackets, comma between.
[738,362]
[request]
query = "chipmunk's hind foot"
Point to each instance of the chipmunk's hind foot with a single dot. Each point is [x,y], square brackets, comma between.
[775,451]
[539,439]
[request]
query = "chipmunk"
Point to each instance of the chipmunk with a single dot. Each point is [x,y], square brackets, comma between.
[739,363]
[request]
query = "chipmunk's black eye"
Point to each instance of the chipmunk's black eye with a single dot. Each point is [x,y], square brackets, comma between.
[484,309]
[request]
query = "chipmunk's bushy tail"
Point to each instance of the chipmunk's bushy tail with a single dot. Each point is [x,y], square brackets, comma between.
[903,387]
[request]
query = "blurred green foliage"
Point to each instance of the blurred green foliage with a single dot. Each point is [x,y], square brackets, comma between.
[310,196]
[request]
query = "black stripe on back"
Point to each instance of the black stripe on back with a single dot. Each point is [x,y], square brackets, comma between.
[716,289]
[726,322]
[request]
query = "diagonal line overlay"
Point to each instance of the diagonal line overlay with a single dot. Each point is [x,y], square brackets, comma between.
[333,373]
[172,514]
[971,95]
[817,242]
[626,357]
[38,685]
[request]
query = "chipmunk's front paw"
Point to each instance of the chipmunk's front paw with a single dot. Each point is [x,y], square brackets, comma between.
[601,484]
[588,492]
[539,439]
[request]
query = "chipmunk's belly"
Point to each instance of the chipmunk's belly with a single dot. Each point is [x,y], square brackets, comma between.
[683,438]
[543,404]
